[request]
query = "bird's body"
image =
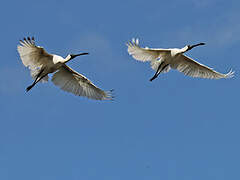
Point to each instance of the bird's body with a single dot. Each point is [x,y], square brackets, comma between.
[41,64]
[162,60]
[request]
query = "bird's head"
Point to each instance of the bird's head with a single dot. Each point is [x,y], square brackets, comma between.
[189,47]
[72,56]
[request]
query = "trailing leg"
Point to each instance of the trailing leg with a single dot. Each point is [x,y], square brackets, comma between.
[159,70]
[35,81]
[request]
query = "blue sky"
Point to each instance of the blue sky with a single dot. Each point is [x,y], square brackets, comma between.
[175,128]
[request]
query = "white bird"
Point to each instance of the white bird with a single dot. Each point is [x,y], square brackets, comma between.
[162,60]
[41,64]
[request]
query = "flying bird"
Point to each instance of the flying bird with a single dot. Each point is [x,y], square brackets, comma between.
[42,63]
[162,60]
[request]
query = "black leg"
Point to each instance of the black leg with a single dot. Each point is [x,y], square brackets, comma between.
[158,72]
[163,68]
[154,77]
[29,87]
[35,81]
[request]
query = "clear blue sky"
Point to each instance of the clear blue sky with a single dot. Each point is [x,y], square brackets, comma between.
[175,128]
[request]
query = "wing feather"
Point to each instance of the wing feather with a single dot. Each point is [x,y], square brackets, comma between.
[71,81]
[32,56]
[192,68]
[144,54]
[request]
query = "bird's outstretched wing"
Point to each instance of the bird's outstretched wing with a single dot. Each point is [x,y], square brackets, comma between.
[32,56]
[71,81]
[192,68]
[144,54]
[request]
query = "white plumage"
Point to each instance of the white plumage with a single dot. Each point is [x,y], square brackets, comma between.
[41,64]
[162,60]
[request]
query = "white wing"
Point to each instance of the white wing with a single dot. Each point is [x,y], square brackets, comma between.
[145,54]
[192,68]
[71,81]
[32,56]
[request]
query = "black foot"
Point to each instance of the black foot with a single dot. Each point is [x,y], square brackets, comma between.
[29,87]
[154,77]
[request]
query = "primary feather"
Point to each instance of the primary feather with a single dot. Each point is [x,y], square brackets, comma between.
[71,81]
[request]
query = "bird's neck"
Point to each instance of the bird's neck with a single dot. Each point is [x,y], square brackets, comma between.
[177,51]
[58,59]
[184,49]
[68,58]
